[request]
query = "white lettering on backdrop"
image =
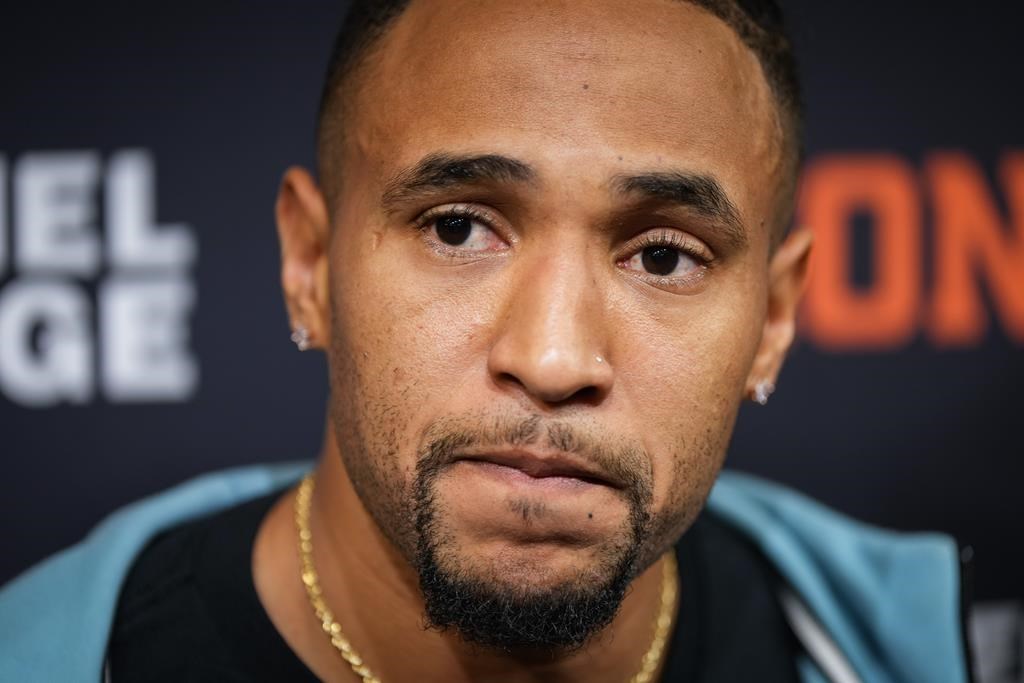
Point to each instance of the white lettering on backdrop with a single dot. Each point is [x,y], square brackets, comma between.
[89,310]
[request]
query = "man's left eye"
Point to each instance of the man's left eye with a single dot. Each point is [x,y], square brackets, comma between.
[662,260]
[464,232]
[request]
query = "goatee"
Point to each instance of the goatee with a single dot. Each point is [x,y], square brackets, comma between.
[559,618]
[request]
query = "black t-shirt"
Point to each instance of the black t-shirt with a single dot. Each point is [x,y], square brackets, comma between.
[189,611]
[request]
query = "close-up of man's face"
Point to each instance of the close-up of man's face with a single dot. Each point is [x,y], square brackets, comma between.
[547,285]
[543,263]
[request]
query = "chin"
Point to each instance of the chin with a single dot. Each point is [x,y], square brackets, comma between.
[522,597]
[536,568]
[523,605]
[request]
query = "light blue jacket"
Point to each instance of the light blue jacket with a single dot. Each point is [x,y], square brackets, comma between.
[869,605]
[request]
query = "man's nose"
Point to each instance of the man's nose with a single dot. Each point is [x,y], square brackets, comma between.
[552,341]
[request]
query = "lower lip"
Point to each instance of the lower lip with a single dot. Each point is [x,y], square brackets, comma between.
[510,476]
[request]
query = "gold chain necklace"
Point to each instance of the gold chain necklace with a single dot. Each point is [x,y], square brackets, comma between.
[311,580]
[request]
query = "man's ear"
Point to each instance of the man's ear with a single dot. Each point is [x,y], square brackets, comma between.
[787,274]
[302,226]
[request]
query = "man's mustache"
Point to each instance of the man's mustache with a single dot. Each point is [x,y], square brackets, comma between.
[446,440]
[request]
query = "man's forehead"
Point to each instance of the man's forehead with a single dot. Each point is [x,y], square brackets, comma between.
[559,81]
[445,43]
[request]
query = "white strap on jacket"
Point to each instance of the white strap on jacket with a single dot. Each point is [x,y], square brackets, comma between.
[816,640]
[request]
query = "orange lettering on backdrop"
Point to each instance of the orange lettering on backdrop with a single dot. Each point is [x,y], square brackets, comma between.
[971,241]
[838,315]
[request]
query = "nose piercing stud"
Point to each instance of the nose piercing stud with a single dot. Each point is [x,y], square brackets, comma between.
[599,359]
[762,391]
[301,337]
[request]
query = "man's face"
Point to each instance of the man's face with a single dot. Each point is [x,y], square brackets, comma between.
[548,270]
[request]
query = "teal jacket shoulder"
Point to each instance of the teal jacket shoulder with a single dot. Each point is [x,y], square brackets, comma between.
[890,602]
[55,619]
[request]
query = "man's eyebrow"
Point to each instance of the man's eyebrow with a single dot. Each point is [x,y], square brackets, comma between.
[701,193]
[441,170]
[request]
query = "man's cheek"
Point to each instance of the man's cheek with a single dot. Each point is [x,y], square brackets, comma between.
[446,334]
[687,423]
[411,357]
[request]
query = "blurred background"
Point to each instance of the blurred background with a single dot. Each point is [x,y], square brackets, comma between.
[143,339]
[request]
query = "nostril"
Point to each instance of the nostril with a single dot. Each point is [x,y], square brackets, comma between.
[590,394]
[553,395]
[509,378]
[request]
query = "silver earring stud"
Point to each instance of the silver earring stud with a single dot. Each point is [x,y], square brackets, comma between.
[763,391]
[300,335]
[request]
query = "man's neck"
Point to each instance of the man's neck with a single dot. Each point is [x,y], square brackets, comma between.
[374,596]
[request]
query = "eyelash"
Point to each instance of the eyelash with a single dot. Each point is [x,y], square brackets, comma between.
[671,238]
[456,211]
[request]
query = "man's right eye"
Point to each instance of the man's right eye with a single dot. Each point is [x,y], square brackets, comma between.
[461,231]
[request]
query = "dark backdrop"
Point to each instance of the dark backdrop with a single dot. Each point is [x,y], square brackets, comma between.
[901,404]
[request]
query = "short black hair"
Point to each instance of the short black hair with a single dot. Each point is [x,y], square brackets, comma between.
[759,24]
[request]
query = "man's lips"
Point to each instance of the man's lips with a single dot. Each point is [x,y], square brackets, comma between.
[545,464]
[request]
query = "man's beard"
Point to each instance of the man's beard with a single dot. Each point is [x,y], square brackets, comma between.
[558,618]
